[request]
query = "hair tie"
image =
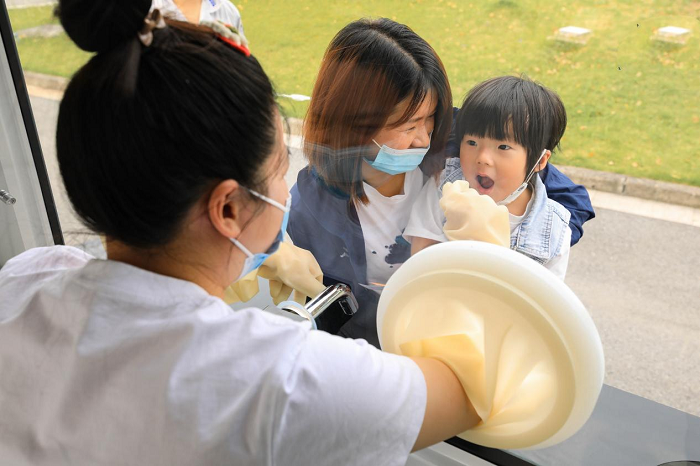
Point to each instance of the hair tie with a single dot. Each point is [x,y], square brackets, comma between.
[230,35]
[154,20]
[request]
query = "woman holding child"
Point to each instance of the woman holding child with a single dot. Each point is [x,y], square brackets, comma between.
[374,135]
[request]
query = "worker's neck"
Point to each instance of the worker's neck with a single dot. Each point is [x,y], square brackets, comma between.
[189,263]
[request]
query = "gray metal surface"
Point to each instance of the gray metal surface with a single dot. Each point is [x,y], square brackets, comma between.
[625,430]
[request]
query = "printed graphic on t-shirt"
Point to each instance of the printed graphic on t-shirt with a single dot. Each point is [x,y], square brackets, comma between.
[383,222]
[398,252]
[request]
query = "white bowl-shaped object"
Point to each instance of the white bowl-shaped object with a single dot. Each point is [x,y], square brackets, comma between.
[543,361]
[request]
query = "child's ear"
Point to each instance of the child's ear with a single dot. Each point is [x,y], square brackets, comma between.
[544,160]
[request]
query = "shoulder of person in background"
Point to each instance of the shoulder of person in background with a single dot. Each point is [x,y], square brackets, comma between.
[168,9]
[211,10]
[226,11]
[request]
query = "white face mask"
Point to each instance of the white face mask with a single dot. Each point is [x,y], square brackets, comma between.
[515,194]
[253,261]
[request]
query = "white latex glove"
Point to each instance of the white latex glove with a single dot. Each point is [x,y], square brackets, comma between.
[522,345]
[471,216]
[243,290]
[289,269]
[292,268]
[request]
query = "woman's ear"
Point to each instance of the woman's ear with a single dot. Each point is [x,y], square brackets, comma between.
[544,160]
[225,207]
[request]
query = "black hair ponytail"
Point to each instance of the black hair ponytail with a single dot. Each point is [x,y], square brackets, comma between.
[99,25]
[145,131]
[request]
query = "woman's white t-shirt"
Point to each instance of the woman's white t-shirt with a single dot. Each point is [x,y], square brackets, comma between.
[212,10]
[105,363]
[383,222]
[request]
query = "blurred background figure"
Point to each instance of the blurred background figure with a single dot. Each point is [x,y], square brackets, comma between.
[196,11]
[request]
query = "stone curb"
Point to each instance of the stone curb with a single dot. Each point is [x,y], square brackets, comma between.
[20,4]
[642,188]
[45,81]
[44,31]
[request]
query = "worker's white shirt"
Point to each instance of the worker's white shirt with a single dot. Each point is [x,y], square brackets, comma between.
[104,363]
[212,10]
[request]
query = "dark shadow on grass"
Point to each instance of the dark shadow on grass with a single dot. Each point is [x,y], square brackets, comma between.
[666,47]
[565,47]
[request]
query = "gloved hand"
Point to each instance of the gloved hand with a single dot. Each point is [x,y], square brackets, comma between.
[292,268]
[289,269]
[510,386]
[473,216]
[243,290]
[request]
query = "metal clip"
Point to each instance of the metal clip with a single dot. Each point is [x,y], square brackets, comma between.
[338,293]
[7,198]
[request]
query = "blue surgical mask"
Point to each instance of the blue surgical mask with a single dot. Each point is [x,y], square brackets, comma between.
[253,261]
[395,161]
[515,194]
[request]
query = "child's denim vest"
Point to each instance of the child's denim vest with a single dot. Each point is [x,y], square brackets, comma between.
[542,231]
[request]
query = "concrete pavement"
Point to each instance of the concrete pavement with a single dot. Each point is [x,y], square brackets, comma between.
[638,277]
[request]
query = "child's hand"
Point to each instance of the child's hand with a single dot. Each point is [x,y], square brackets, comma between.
[472,216]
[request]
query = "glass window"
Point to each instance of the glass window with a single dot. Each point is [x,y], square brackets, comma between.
[48,58]
[627,73]
[27,218]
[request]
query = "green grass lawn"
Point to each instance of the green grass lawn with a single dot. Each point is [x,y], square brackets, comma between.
[55,55]
[23,18]
[633,104]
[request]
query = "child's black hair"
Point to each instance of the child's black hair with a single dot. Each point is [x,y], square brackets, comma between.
[511,108]
[145,131]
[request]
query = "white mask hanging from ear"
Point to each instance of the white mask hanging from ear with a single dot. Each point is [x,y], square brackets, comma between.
[515,194]
[253,261]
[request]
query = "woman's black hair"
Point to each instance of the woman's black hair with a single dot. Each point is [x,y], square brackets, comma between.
[511,108]
[144,132]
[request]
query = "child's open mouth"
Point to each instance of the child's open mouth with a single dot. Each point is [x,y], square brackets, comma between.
[485,183]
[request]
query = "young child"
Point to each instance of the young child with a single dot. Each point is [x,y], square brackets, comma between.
[508,128]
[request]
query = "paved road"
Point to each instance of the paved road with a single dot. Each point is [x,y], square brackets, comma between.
[638,277]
